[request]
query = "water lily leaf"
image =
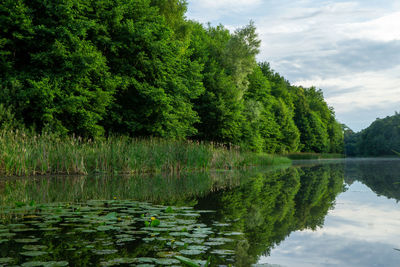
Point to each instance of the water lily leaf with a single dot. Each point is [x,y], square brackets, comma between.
[223,252]
[194,247]
[106,228]
[187,261]
[89,231]
[27,240]
[33,253]
[233,234]
[189,214]
[118,261]
[110,216]
[104,251]
[55,263]
[125,239]
[220,239]
[6,260]
[20,230]
[206,211]
[32,264]
[7,235]
[193,240]
[166,254]
[179,234]
[213,243]
[166,261]
[145,260]
[34,247]
[155,223]
[191,252]
[169,210]
[196,235]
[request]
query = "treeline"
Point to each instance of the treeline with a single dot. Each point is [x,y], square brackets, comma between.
[140,68]
[381,138]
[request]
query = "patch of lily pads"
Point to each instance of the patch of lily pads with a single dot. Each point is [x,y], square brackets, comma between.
[112,233]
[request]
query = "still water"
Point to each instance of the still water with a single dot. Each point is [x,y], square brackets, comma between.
[361,229]
[327,213]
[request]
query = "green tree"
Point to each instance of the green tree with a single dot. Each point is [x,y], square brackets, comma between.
[54,76]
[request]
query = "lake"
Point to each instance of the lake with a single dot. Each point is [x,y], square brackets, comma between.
[314,213]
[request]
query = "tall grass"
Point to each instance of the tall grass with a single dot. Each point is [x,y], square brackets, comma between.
[23,154]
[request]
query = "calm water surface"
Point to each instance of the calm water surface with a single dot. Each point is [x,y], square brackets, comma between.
[329,213]
[361,229]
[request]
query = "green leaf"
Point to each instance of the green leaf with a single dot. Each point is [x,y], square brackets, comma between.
[187,261]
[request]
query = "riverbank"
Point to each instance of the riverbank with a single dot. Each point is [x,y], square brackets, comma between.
[310,155]
[23,154]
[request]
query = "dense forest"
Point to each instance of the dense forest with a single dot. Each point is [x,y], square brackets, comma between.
[93,68]
[381,138]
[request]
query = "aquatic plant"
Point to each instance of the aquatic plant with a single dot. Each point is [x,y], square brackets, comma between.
[23,153]
[109,233]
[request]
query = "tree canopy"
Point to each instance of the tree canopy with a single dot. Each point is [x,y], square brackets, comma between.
[141,68]
[381,138]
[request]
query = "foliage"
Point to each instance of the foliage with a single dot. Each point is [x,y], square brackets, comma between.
[140,68]
[381,138]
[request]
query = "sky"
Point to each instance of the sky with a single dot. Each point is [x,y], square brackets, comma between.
[349,49]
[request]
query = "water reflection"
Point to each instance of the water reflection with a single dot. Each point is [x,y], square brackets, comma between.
[362,230]
[254,211]
[382,176]
[268,208]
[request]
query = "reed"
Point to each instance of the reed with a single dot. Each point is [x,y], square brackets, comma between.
[24,154]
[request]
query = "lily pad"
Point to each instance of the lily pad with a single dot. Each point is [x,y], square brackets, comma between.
[6,260]
[191,252]
[166,261]
[118,261]
[33,253]
[32,264]
[27,240]
[55,263]
[223,252]
[34,247]
[7,235]
[104,251]
[145,260]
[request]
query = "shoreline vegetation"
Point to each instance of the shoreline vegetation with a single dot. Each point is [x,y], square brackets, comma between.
[309,155]
[28,154]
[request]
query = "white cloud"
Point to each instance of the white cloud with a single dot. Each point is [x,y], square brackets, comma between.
[358,224]
[211,10]
[225,4]
[372,89]
[385,28]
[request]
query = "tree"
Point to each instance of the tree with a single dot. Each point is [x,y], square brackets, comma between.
[55,77]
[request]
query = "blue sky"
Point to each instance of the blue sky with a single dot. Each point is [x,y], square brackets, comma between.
[349,49]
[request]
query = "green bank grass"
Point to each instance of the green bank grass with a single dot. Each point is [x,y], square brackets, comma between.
[306,155]
[23,154]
